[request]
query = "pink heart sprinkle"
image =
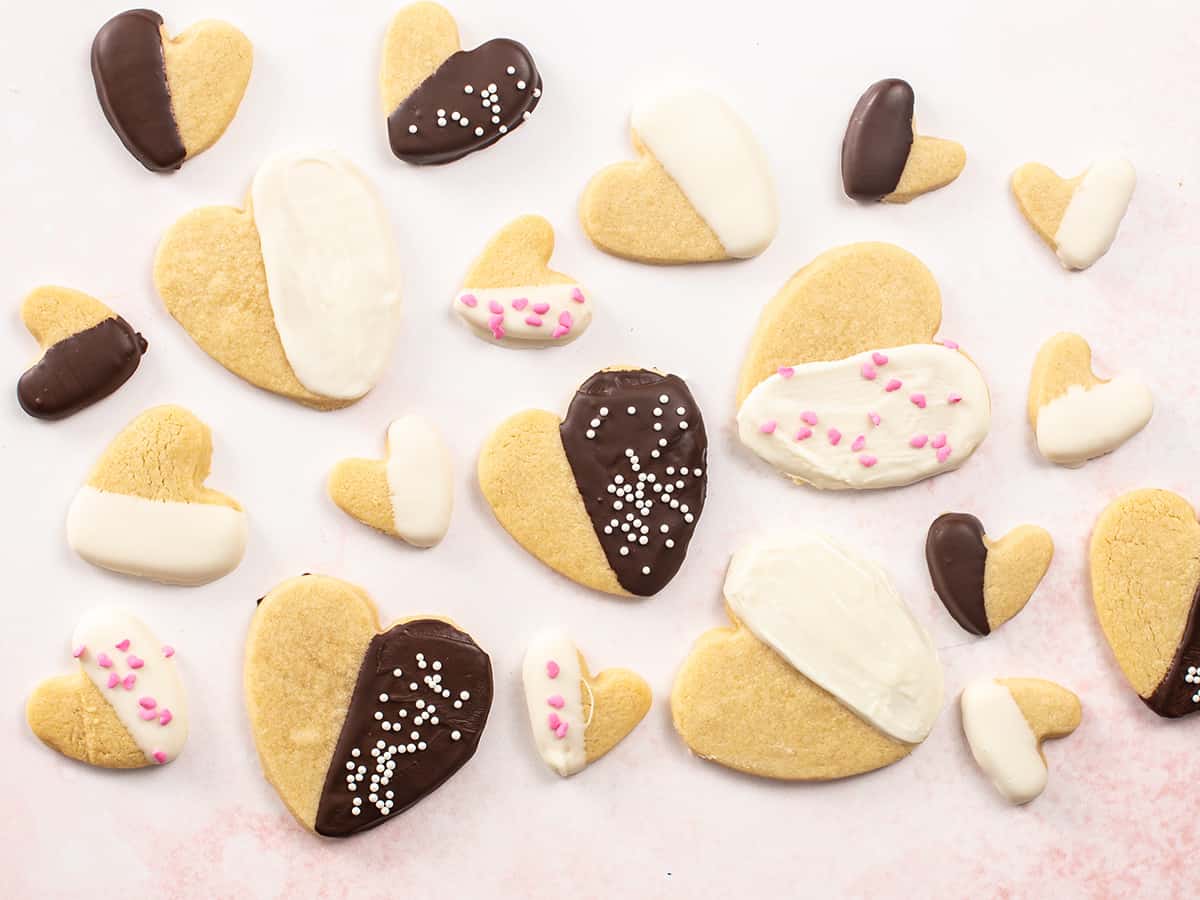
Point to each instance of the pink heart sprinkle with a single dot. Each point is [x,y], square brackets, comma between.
[535,321]
[868,372]
[496,308]
[939,442]
[954,398]
[808,417]
[556,701]
[919,441]
[147,714]
[168,651]
[786,371]
[561,731]
[918,400]
[577,295]
[835,436]
[879,358]
[147,702]
[552,669]
[123,645]
[113,679]
[165,717]
[874,417]
[134,662]
[767,427]
[78,651]
[803,434]
[103,661]
[565,319]
[859,443]
[950,345]
[559,331]
[943,454]
[129,681]
[893,385]
[553,720]
[867,460]
[468,300]
[541,308]
[160,757]
[520,303]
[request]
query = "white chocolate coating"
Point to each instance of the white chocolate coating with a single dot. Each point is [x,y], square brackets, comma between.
[1085,423]
[420,480]
[1002,742]
[1094,213]
[552,695]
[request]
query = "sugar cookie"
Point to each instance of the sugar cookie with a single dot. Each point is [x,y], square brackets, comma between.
[410,495]
[700,192]
[355,724]
[823,674]
[145,510]
[124,707]
[443,102]
[299,293]
[577,717]
[610,495]
[1006,720]
[1075,415]
[169,98]
[981,582]
[88,351]
[1077,217]
[512,297]
[883,157]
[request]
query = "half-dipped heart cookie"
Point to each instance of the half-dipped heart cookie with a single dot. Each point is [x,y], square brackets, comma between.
[511,297]
[443,102]
[824,673]
[883,157]
[982,582]
[1075,415]
[298,293]
[145,510]
[610,495]
[409,495]
[354,724]
[169,98]
[700,192]
[577,717]
[124,707]
[1077,217]
[88,351]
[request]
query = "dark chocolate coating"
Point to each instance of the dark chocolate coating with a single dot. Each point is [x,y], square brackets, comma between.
[1179,692]
[957,558]
[878,140]
[131,82]
[636,491]
[480,68]
[456,664]
[81,369]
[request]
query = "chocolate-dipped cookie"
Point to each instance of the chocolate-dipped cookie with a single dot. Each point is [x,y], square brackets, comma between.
[443,102]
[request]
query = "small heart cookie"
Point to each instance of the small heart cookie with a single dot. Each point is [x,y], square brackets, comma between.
[124,708]
[443,102]
[1077,217]
[1075,415]
[824,673]
[88,351]
[169,98]
[609,496]
[981,582]
[577,717]
[299,293]
[700,192]
[355,724]
[1145,563]
[511,297]
[145,510]
[410,495]
[1006,720]
[883,157]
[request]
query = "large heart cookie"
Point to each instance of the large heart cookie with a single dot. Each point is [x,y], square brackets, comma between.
[1077,217]
[355,724]
[610,495]
[124,707]
[577,717]
[1075,415]
[145,510]
[824,673]
[700,192]
[299,293]
[443,102]
[1145,562]
[169,98]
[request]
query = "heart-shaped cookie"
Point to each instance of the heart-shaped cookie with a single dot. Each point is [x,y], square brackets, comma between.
[981,582]
[823,674]
[1145,563]
[355,724]
[145,510]
[124,707]
[410,495]
[1075,415]
[512,297]
[577,717]
[443,102]
[88,351]
[700,192]
[169,98]
[883,157]
[299,293]
[610,495]
[1077,217]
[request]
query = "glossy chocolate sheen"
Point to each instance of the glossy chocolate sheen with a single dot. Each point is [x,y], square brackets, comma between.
[1178,694]
[878,140]
[445,92]
[957,558]
[131,82]
[421,738]
[81,369]
[627,489]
